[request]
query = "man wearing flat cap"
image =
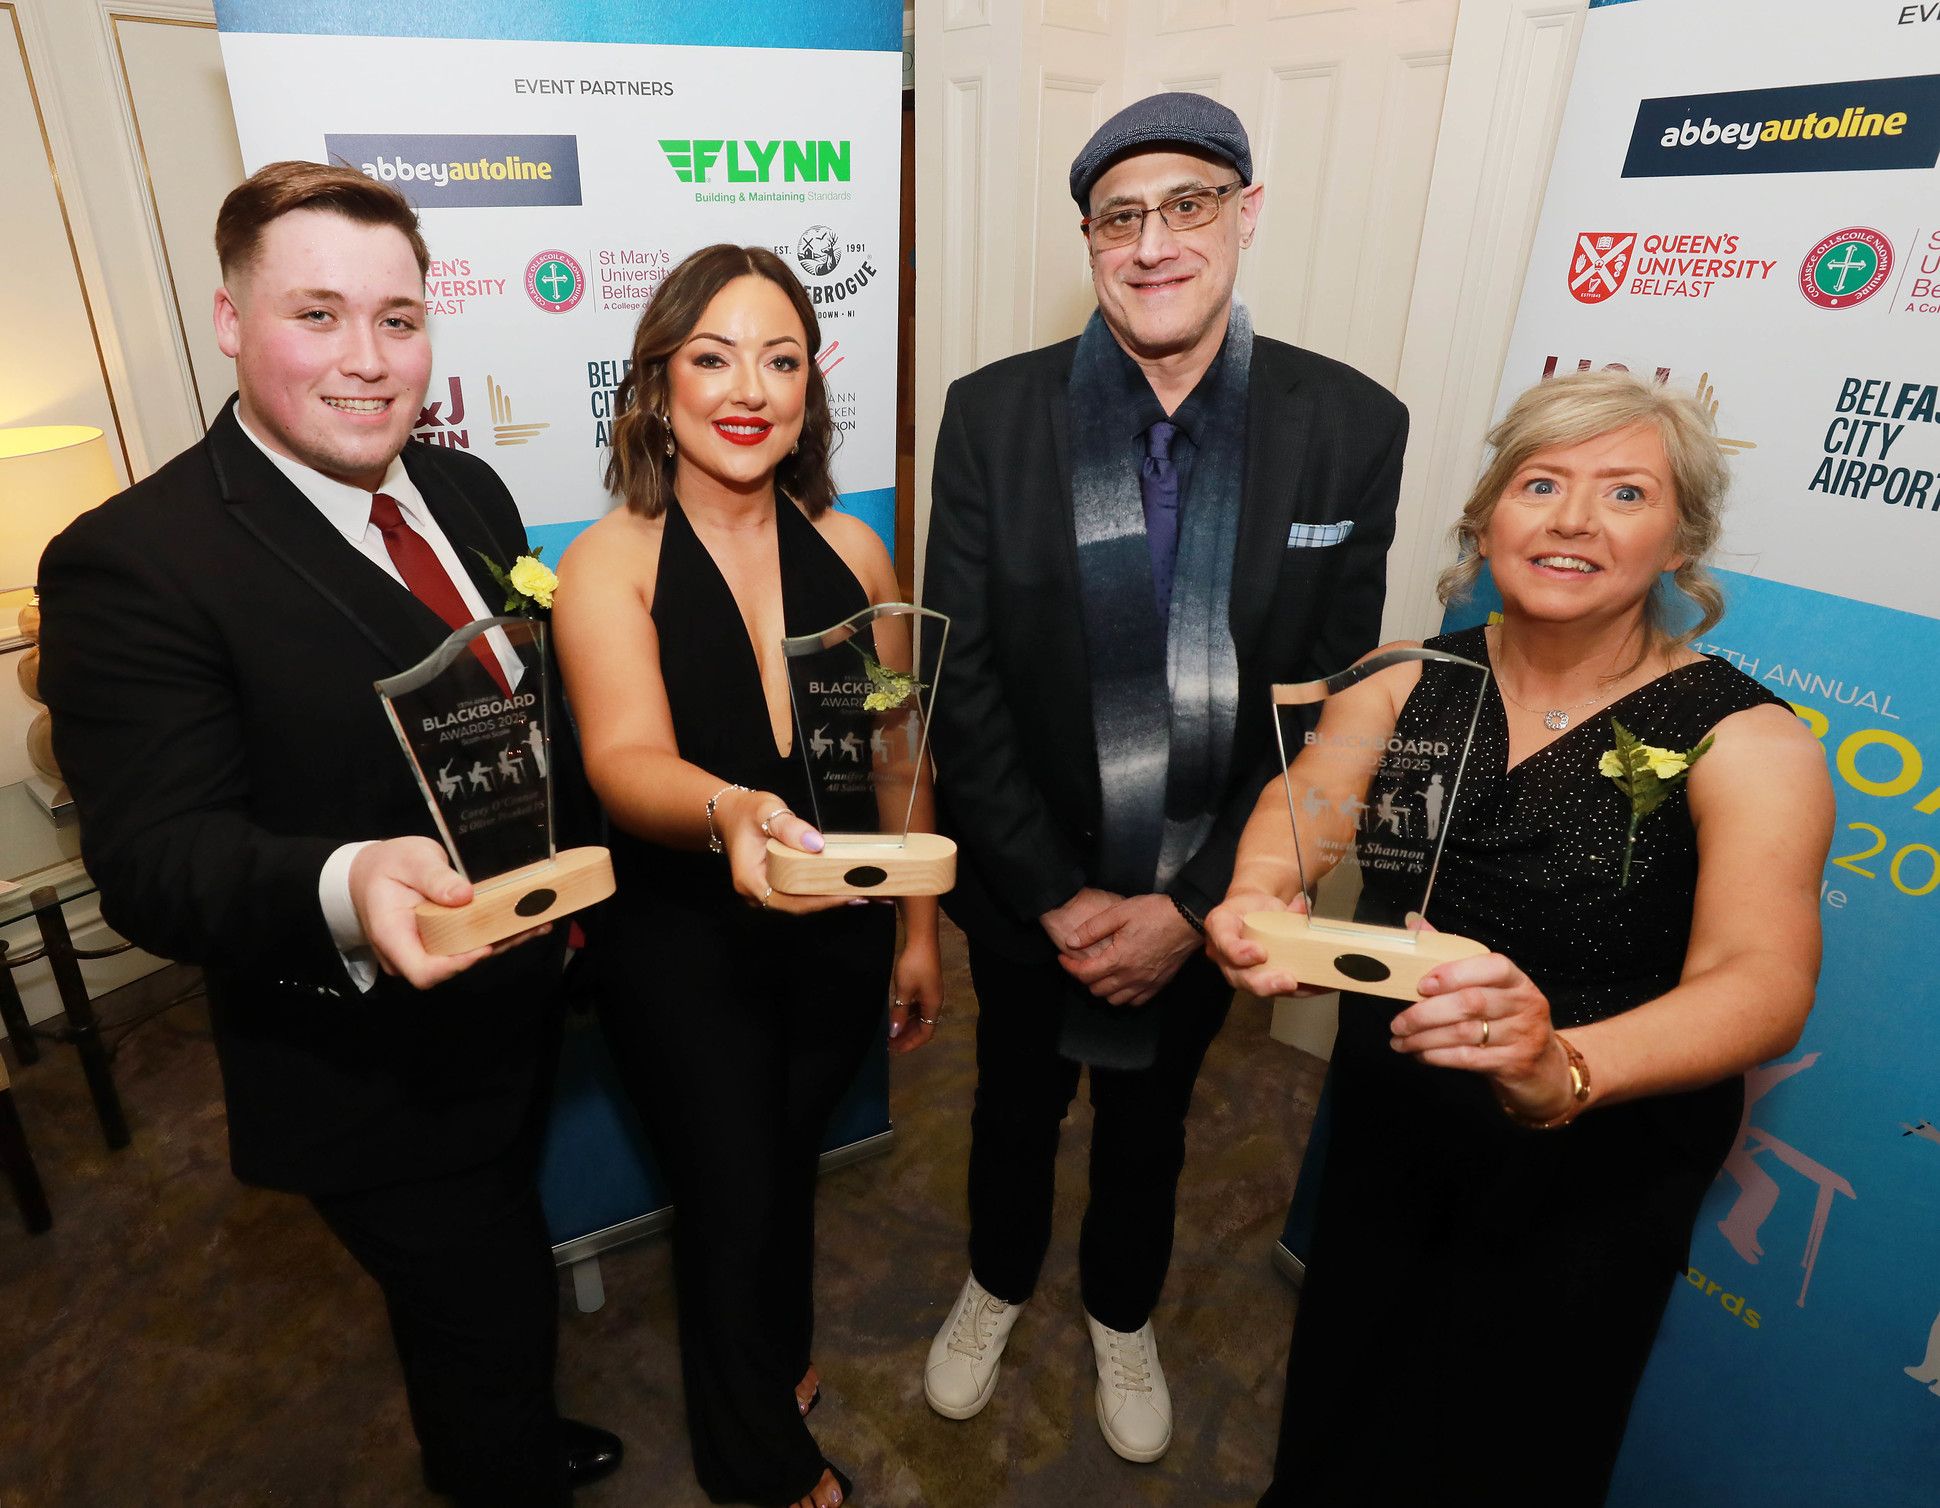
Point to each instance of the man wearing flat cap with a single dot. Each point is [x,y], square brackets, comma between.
[1135,533]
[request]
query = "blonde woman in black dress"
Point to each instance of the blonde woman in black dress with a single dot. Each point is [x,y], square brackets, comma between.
[1517,1158]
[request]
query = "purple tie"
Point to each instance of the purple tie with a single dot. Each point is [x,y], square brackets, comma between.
[1158,485]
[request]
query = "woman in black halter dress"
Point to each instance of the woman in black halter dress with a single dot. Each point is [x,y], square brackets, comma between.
[738,1015]
[1517,1159]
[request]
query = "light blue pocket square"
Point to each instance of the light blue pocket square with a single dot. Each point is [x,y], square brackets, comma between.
[1318,536]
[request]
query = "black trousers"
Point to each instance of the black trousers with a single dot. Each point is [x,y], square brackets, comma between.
[465,1265]
[1138,1135]
[738,1033]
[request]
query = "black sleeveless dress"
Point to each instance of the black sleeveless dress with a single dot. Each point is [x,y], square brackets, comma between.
[737,1031]
[1481,1299]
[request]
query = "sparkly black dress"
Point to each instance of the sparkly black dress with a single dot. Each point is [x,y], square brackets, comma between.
[737,1031]
[1481,1299]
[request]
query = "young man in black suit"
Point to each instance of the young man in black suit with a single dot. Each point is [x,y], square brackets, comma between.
[1135,534]
[211,639]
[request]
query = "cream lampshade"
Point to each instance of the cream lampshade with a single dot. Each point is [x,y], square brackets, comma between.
[50,474]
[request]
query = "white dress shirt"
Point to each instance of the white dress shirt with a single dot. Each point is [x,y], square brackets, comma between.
[347,509]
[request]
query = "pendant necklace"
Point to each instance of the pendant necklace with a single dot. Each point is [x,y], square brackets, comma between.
[1556,719]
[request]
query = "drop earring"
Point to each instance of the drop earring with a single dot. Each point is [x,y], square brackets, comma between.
[669,430]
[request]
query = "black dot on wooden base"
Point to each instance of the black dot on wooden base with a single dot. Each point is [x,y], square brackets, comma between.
[535,901]
[865,876]
[1360,966]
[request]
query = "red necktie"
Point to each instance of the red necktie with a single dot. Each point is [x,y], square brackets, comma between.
[418,564]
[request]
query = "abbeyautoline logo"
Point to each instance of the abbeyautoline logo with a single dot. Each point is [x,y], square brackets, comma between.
[1861,125]
[710,160]
[466,172]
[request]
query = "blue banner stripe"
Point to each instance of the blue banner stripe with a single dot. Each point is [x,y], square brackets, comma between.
[832,25]
[875,507]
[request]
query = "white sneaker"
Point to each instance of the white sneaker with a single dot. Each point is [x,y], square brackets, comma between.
[962,1370]
[1134,1404]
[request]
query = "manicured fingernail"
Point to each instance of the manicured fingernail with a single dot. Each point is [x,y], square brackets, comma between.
[1428,986]
[860,900]
[895,1030]
[812,841]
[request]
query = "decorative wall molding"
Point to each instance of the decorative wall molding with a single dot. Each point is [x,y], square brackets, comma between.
[157,13]
[1508,82]
[965,151]
[1078,15]
[1194,15]
[36,70]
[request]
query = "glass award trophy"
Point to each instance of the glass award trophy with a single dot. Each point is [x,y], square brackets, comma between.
[862,733]
[1370,810]
[476,732]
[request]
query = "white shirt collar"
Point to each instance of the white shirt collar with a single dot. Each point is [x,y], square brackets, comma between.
[346,507]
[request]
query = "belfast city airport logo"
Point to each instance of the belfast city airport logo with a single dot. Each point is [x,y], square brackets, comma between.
[555,281]
[1602,257]
[1846,268]
[466,172]
[719,160]
[1862,125]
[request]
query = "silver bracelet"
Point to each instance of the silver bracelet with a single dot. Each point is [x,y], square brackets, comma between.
[714,843]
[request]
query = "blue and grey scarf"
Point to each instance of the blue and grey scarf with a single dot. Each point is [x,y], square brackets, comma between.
[1163,697]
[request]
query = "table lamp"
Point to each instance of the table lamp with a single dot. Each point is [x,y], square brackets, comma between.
[50,474]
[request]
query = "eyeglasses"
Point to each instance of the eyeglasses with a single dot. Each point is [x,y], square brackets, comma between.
[1187,211]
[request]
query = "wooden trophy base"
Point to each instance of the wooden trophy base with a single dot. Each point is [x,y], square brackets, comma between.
[510,903]
[1352,955]
[865,864]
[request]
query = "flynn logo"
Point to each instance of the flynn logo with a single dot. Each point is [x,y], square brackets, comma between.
[1846,268]
[1602,257]
[701,160]
[505,430]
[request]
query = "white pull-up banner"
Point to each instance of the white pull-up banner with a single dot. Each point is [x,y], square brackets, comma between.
[564,155]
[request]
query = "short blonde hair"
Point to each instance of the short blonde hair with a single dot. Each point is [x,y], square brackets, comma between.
[1569,410]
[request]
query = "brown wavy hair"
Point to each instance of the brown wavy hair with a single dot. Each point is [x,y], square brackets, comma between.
[1581,406]
[641,473]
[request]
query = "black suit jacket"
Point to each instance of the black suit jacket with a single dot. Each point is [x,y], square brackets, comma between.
[1017,767]
[208,650]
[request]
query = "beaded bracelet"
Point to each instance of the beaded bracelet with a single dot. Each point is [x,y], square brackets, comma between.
[714,843]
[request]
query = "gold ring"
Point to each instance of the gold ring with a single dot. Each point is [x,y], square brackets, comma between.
[779,811]
[765,895]
[928,1020]
[1485,1033]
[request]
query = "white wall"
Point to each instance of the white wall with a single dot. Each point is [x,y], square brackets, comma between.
[122,148]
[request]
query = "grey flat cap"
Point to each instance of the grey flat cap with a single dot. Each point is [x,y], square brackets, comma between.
[1186,120]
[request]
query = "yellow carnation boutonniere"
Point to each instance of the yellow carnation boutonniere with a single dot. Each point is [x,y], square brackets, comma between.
[888,689]
[1647,775]
[529,584]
